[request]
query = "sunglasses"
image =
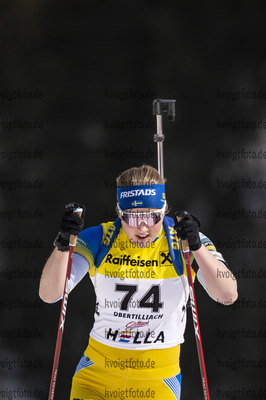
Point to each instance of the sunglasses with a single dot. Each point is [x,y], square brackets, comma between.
[135,218]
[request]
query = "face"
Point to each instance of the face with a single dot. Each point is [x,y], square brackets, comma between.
[142,235]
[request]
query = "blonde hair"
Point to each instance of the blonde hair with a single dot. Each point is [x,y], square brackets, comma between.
[144,175]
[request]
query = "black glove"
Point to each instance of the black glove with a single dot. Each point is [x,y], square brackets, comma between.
[71,224]
[188,228]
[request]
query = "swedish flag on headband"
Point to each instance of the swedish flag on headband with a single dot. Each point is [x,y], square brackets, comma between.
[137,203]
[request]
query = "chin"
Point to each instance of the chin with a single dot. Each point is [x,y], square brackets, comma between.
[142,243]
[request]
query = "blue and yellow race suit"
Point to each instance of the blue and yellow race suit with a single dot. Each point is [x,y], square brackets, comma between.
[140,317]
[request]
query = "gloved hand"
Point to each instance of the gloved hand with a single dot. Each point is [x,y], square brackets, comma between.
[188,228]
[71,224]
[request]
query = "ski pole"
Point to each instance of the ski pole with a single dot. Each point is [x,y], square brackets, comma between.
[159,107]
[195,318]
[72,244]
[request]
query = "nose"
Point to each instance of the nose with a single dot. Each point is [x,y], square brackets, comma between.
[143,228]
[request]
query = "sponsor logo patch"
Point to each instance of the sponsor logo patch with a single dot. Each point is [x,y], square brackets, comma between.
[165,259]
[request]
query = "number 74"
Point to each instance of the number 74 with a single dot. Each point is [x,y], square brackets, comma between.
[153,293]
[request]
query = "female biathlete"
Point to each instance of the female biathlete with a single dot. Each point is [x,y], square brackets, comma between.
[138,270]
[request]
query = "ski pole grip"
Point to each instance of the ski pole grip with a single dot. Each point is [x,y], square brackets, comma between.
[185,244]
[73,238]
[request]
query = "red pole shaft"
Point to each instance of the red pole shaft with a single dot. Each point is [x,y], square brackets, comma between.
[61,323]
[197,328]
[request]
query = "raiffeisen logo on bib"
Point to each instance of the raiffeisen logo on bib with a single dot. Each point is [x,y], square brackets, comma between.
[138,192]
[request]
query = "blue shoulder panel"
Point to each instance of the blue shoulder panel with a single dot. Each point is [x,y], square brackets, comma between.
[173,244]
[108,241]
[89,242]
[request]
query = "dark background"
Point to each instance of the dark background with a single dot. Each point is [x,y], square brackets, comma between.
[80,59]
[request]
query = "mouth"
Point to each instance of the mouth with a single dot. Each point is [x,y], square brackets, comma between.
[142,237]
